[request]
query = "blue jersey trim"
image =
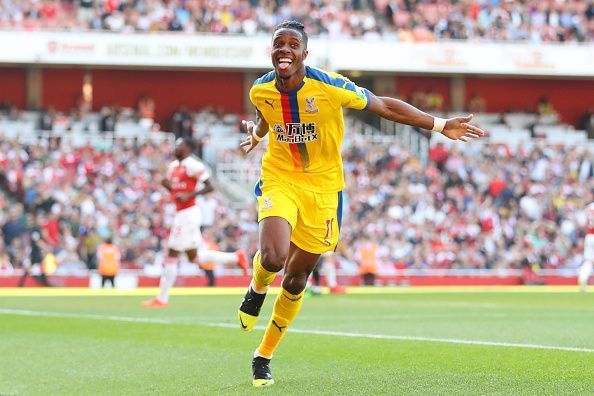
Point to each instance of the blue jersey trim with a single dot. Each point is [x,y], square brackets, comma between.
[319,75]
[339,210]
[339,215]
[339,82]
[265,78]
[258,188]
[368,98]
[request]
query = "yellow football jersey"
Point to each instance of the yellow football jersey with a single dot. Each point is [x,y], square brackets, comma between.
[307,127]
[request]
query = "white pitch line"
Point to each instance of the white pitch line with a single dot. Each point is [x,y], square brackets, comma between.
[293,330]
[24,312]
[415,338]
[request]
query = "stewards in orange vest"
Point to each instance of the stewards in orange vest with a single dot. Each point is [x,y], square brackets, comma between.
[108,257]
[49,264]
[367,256]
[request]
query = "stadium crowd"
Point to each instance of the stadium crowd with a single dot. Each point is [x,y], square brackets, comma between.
[490,206]
[402,20]
[67,201]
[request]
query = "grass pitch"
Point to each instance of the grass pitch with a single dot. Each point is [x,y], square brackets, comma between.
[398,341]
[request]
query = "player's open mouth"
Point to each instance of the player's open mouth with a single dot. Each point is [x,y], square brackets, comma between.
[284,63]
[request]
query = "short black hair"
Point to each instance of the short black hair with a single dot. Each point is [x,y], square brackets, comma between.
[294,25]
[188,141]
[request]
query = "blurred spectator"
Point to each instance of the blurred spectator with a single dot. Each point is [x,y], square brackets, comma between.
[145,110]
[395,20]
[181,123]
[478,216]
[76,197]
[13,226]
[50,230]
[49,265]
[46,119]
[434,102]
[588,123]
[109,119]
[91,240]
[5,264]
[37,264]
[85,11]
[545,107]
[5,107]
[367,257]
[108,257]
[467,209]
[439,155]
[477,104]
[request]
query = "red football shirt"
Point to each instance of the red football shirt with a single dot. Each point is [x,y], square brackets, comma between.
[185,177]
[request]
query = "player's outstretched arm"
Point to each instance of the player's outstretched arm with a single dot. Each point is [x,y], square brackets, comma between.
[255,132]
[457,128]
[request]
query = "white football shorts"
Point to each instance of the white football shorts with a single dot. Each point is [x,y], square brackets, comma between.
[185,231]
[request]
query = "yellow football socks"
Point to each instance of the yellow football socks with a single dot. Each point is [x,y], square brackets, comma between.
[262,277]
[286,308]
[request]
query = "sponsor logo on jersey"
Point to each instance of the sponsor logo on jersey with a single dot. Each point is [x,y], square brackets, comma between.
[296,132]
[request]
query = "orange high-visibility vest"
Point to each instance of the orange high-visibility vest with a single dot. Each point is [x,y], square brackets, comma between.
[109,259]
[49,264]
[368,258]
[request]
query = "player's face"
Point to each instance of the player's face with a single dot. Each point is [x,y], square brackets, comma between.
[288,52]
[180,149]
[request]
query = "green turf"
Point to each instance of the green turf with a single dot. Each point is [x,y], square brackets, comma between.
[94,356]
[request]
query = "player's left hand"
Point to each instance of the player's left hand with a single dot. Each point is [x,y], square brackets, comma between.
[459,129]
[250,142]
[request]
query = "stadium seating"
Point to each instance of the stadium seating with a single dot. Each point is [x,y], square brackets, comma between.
[397,20]
[459,225]
[370,154]
[507,150]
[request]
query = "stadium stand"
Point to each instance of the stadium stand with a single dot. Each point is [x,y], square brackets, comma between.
[401,20]
[85,194]
[62,154]
[496,213]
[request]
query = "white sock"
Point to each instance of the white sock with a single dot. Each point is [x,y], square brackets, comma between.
[584,275]
[213,256]
[258,354]
[167,279]
[330,272]
[256,290]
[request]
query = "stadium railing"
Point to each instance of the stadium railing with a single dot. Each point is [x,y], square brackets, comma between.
[242,178]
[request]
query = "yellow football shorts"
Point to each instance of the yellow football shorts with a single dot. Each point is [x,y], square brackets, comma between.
[314,217]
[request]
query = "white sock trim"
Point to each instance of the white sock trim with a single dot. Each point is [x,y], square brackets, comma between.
[252,284]
[258,354]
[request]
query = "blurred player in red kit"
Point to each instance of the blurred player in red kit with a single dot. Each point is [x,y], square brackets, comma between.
[586,269]
[187,178]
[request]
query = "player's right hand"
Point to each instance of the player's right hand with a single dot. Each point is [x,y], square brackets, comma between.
[249,143]
[459,129]
[184,196]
